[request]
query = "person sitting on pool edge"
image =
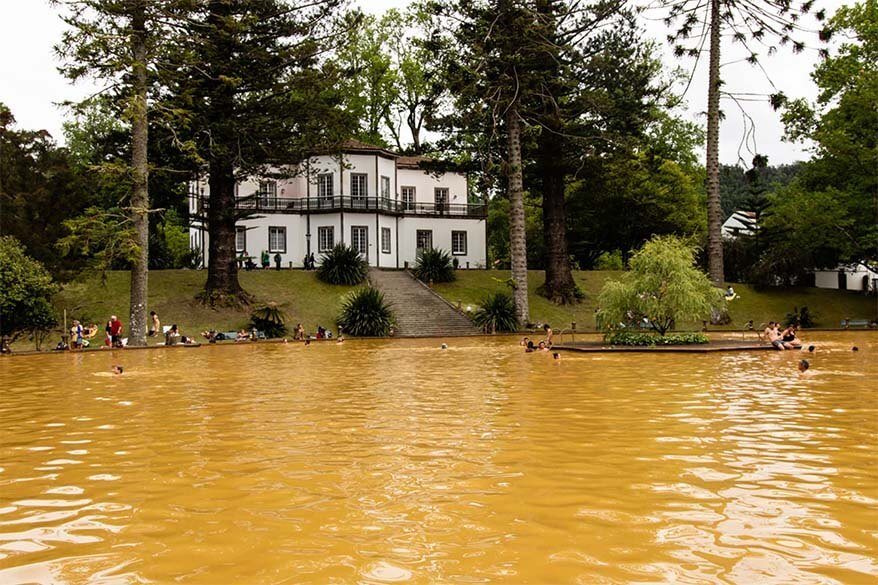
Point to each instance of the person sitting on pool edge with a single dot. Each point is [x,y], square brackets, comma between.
[790,339]
[773,336]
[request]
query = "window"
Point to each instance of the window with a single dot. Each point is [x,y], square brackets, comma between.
[359,189]
[385,240]
[240,239]
[267,195]
[385,187]
[325,238]
[424,239]
[440,196]
[360,239]
[324,186]
[277,239]
[458,243]
[408,198]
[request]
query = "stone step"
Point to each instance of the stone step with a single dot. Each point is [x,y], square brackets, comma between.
[419,311]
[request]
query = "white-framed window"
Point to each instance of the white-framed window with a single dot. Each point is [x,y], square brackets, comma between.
[424,239]
[240,239]
[359,186]
[324,186]
[385,187]
[408,198]
[267,193]
[277,239]
[385,240]
[458,243]
[325,238]
[440,196]
[360,239]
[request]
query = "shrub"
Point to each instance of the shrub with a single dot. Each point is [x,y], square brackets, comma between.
[26,290]
[610,261]
[434,265]
[342,265]
[497,313]
[269,319]
[663,285]
[366,313]
[651,339]
[800,317]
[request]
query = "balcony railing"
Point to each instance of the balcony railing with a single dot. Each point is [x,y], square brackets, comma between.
[366,204]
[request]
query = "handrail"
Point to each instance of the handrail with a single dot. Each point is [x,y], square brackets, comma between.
[263,203]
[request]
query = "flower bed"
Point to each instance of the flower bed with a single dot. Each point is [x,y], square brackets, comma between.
[651,339]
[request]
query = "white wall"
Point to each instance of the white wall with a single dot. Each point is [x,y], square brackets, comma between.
[442,228]
[424,183]
[853,277]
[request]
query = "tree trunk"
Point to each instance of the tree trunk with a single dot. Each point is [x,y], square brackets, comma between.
[517,237]
[714,209]
[222,287]
[140,169]
[559,286]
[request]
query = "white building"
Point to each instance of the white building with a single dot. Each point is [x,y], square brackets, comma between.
[739,223]
[847,277]
[385,205]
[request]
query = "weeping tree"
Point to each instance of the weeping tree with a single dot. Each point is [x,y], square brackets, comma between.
[664,286]
[756,25]
[114,41]
[250,90]
[492,62]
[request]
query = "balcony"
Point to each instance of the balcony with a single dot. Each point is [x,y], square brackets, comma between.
[355,204]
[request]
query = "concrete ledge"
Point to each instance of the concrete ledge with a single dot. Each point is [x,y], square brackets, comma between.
[712,347]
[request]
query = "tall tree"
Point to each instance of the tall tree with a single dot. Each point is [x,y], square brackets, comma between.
[492,63]
[696,23]
[250,92]
[597,92]
[112,40]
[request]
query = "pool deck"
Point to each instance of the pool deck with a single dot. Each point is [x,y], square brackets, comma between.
[713,346]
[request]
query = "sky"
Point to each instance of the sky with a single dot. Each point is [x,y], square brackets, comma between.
[32,87]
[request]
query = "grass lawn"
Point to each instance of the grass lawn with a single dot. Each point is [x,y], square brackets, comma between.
[828,307]
[172,295]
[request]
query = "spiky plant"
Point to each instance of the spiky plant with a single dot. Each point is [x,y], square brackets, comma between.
[434,265]
[269,319]
[497,314]
[342,265]
[366,313]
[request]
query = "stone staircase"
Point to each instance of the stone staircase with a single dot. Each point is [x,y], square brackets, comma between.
[419,311]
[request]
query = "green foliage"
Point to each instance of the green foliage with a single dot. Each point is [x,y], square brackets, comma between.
[105,237]
[26,290]
[342,265]
[842,125]
[366,313]
[663,285]
[610,261]
[434,265]
[642,339]
[496,314]
[628,198]
[269,319]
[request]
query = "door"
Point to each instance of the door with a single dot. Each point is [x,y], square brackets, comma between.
[360,240]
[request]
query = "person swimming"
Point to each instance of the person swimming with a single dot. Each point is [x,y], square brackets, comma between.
[117,370]
[804,365]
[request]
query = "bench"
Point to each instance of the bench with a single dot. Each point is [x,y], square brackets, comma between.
[848,323]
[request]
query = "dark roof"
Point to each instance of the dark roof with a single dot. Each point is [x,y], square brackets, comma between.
[410,162]
[353,145]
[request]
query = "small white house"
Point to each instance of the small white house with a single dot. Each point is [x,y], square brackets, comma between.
[387,206]
[739,223]
[857,277]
